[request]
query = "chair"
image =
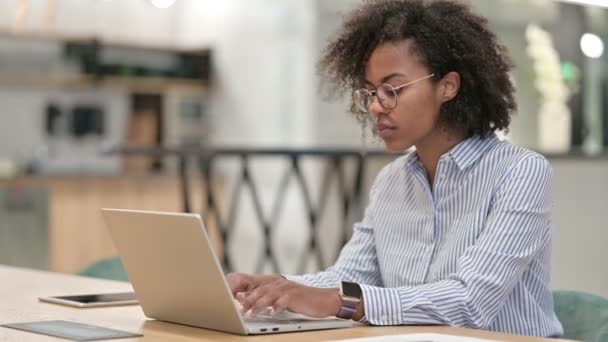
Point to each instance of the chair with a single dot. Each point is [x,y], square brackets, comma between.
[584,316]
[109,268]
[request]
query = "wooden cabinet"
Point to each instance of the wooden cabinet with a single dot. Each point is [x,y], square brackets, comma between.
[77,236]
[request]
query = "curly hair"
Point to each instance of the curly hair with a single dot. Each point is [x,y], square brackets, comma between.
[447,37]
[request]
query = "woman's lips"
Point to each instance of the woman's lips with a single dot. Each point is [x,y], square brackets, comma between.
[385,131]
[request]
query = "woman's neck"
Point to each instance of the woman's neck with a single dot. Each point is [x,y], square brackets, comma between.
[433,146]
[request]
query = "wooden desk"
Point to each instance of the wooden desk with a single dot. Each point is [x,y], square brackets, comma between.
[21,288]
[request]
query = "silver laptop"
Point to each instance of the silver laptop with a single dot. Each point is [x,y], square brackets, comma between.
[177,278]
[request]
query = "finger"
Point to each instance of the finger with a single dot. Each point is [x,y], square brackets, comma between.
[285,288]
[240,296]
[235,282]
[261,298]
[282,303]
[250,298]
[240,282]
[264,302]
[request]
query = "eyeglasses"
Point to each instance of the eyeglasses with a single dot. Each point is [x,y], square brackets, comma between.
[386,94]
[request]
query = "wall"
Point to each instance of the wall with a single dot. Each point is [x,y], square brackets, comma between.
[263,62]
[265,57]
[98,18]
[581,237]
[335,126]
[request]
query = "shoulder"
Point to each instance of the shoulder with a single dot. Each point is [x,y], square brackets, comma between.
[395,168]
[391,176]
[508,161]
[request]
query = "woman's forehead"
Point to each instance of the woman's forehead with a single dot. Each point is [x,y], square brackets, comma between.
[392,57]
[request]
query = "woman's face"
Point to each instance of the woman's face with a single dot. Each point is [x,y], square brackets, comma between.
[414,119]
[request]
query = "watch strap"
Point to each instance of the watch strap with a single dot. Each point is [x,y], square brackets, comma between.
[347,310]
[348,307]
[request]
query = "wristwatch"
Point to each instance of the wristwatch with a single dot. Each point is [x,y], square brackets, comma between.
[351,294]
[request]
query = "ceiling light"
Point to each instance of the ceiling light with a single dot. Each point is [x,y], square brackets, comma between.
[162,3]
[592,45]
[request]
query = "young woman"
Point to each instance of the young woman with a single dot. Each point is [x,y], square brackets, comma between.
[458,232]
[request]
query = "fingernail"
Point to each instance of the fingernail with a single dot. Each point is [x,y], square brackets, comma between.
[249,313]
[272,312]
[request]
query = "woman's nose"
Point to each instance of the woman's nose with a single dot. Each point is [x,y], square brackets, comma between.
[376,109]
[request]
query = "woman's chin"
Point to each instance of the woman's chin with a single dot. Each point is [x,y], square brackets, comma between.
[393,147]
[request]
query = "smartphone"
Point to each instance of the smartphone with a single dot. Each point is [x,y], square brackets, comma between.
[93,300]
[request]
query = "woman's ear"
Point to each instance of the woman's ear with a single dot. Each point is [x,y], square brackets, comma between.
[450,85]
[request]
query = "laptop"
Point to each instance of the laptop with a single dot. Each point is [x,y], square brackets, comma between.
[177,277]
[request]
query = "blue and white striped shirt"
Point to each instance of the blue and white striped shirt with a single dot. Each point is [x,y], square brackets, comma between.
[474,251]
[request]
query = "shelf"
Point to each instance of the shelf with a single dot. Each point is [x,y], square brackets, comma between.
[134,84]
[187,69]
[149,84]
[87,39]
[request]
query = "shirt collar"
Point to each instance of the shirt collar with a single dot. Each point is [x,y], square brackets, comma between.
[470,150]
[464,153]
[412,160]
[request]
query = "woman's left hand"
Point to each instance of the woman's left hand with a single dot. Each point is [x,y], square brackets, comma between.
[283,294]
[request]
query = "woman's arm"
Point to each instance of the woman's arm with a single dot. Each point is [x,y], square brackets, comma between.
[357,263]
[358,260]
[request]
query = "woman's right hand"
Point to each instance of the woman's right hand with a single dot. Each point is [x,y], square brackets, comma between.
[243,282]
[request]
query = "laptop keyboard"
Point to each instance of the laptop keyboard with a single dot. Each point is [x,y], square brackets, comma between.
[283,317]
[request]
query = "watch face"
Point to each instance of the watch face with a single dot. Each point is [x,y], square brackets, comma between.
[351,289]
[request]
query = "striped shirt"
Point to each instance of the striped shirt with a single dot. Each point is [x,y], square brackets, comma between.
[473,251]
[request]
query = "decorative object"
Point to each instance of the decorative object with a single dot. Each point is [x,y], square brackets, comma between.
[554,116]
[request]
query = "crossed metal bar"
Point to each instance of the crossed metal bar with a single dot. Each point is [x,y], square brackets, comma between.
[349,193]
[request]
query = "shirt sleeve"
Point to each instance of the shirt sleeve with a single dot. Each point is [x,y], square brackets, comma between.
[357,261]
[518,226]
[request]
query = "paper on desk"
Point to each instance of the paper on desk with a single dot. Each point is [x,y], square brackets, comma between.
[417,338]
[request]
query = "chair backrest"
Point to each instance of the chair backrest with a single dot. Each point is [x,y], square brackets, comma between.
[109,268]
[584,316]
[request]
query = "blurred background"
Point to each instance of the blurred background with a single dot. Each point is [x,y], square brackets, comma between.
[213,107]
